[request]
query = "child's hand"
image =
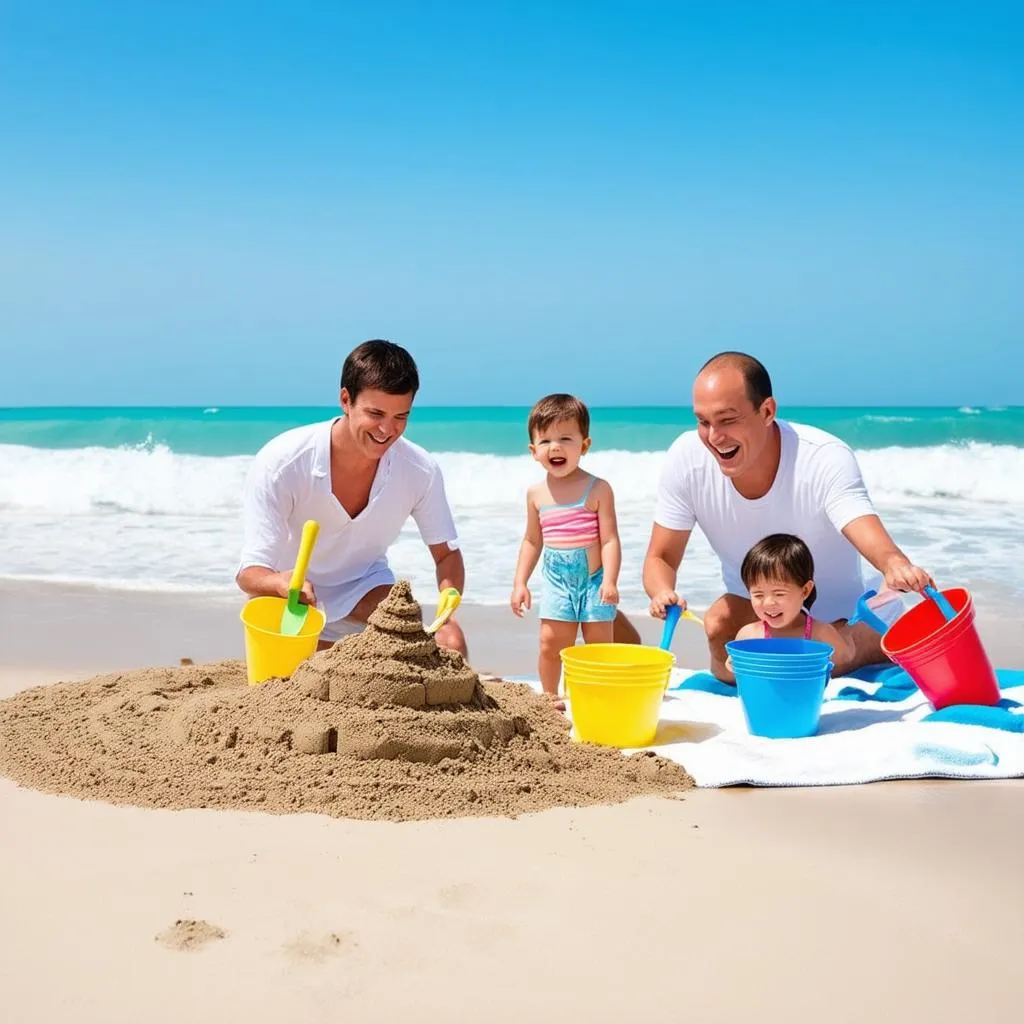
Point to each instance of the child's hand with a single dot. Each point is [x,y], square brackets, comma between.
[520,600]
[609,593]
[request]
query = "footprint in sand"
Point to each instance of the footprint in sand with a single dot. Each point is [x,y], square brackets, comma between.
[186,935]
[456,896]
[316,948]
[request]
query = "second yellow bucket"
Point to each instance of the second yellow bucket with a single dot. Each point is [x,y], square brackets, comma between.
[268,652]
[615,691]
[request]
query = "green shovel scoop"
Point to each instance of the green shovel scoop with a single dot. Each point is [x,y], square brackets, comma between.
[294,614]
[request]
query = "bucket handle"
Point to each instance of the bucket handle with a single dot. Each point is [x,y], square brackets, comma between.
[672,613]
[863,613]
[944,606]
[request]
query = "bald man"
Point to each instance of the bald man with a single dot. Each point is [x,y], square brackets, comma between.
[744,474]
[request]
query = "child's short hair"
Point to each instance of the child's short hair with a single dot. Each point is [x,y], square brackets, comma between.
[553,408]
[780,556]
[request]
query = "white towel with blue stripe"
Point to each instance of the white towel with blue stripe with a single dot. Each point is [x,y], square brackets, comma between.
[875,726]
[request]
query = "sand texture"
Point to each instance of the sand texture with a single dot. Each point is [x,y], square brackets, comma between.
[383,725]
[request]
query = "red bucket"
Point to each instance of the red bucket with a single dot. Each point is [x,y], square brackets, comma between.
[945,658]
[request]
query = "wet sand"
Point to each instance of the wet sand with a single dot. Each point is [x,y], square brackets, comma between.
[895,899]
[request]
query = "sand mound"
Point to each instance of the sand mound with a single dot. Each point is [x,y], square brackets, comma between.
[186,935]
[383,725]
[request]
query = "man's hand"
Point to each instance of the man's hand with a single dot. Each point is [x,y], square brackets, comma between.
[609,593]
[900,574]
[282,581]
[259,581]
[520,600]
[662,600]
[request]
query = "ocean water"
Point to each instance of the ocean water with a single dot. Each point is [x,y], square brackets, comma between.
[149,499]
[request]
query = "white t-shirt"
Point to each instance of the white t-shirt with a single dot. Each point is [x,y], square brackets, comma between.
[289,482]
[817,491]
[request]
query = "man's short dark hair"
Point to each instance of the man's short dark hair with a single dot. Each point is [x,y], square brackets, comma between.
[755,376]
[379,365]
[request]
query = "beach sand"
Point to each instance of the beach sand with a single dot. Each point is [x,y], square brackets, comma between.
[902,900]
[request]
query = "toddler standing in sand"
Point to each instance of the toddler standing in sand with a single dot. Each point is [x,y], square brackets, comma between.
[570,521]
[778,572]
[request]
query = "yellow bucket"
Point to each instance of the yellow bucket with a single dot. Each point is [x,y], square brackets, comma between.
[268,653]
[615,691]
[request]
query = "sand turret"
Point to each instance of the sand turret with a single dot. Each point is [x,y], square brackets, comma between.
[394,662]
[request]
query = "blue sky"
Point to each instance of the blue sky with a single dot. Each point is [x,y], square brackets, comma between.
[211,203]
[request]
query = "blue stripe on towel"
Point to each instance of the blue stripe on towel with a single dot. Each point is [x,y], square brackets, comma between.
[999,717]
[895,687]
[953,756]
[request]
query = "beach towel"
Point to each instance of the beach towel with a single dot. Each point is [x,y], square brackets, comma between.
[875,725]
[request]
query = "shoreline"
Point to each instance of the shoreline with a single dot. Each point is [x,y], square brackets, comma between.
[103,630]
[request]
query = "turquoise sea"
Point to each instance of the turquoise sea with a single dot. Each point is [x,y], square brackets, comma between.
[241,430]
[148,498]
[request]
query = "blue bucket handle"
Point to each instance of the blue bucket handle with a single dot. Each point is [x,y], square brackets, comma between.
[944,606]
[672,613]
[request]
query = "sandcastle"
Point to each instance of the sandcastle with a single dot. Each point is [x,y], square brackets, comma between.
[394,661]
[385,724]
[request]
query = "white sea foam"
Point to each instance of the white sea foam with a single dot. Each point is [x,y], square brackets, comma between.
[149,518]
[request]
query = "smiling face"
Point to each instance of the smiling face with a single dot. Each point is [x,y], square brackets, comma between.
[376,419]
[735,432]
[559,447]
[778,602]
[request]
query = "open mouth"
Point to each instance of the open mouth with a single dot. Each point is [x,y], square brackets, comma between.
[378,440]
[557,461]
[728,453]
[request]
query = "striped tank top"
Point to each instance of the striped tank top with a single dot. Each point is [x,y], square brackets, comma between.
[570,526]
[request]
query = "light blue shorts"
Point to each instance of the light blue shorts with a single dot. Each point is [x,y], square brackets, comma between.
[570,589]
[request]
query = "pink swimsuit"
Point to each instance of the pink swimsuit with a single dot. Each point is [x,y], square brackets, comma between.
[807,628]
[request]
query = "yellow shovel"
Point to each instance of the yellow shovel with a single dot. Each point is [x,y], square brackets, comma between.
[295,612]
[447,601]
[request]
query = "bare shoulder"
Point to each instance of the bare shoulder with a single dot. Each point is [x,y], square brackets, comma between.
[751,631]
[826,633]
[601,490]
[537,494]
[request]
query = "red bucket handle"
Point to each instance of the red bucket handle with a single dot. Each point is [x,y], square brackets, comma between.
[944,606]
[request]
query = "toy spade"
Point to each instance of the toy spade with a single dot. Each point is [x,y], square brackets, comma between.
[448,600]
[294,615]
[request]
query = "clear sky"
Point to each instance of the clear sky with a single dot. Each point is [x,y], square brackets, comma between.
[212,202]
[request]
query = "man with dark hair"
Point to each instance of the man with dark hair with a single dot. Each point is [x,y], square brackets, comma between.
[742,475]
[361,480]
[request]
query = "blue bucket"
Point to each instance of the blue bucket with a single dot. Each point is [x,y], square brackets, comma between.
[781,707]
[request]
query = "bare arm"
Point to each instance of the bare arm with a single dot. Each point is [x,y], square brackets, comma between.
[449,566]
[872,540]
[661,564]
[533,542]
[529,555]
[608,527]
